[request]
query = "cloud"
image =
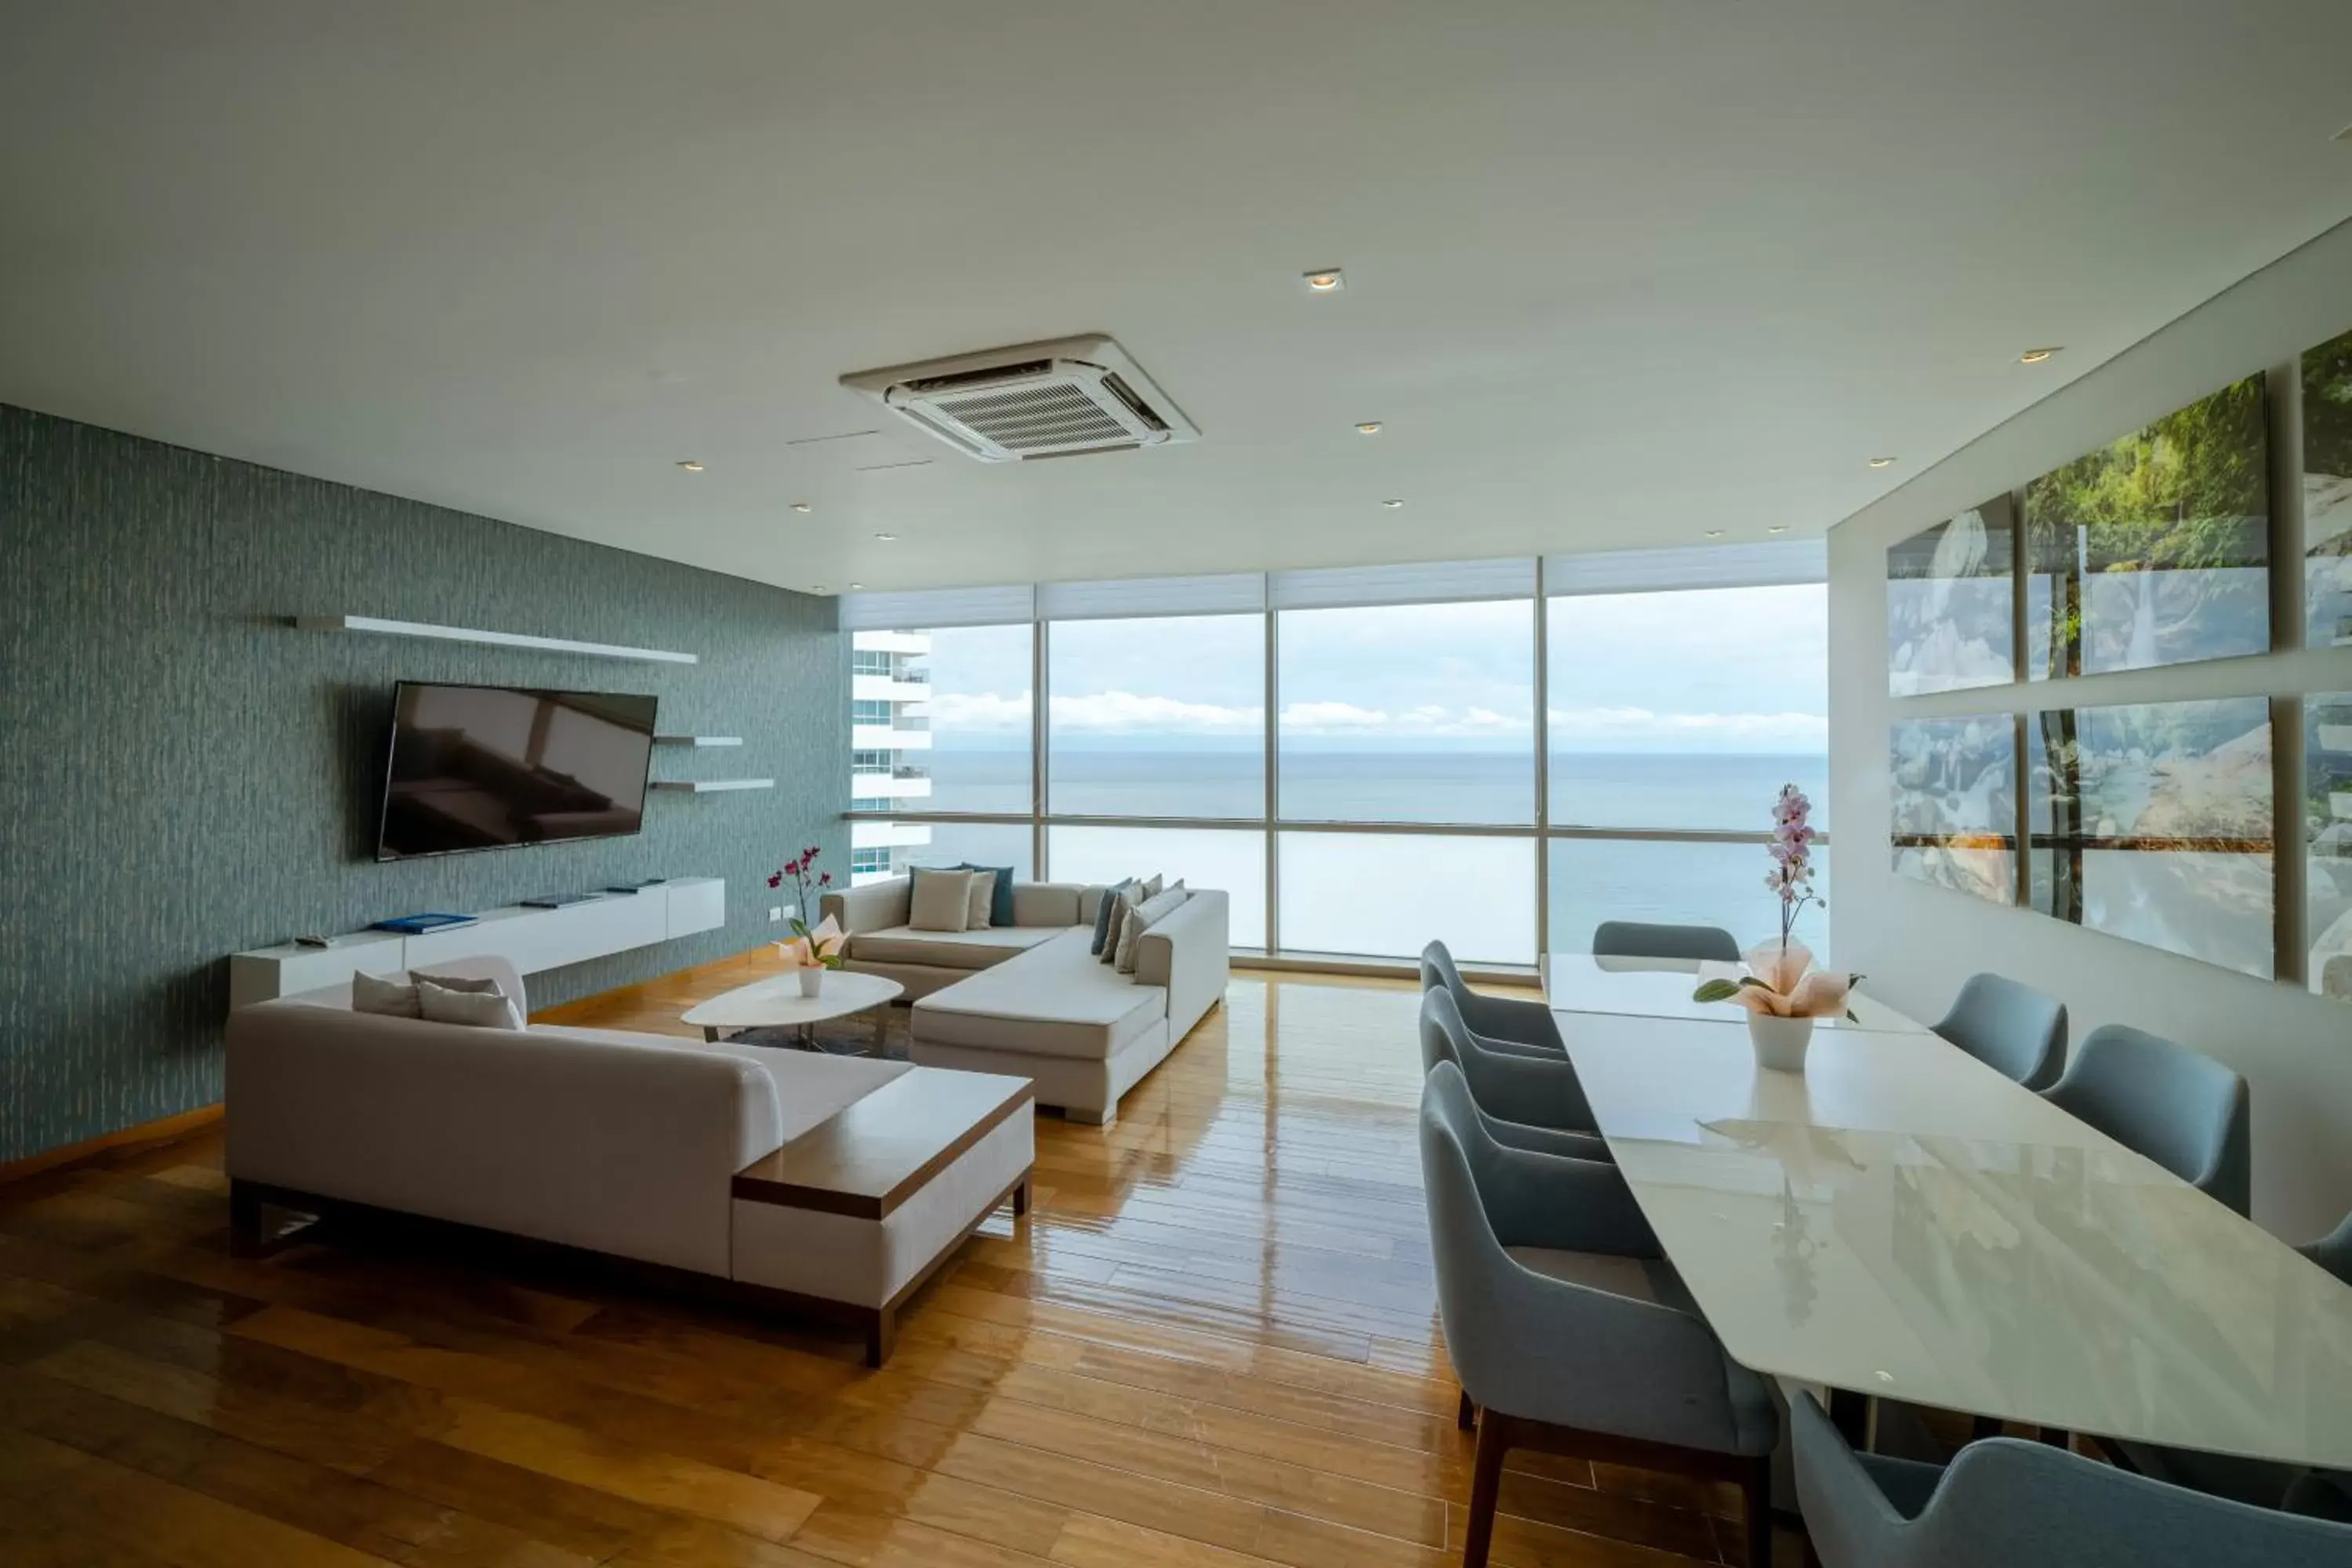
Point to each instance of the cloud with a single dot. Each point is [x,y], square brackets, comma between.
[1126,711]
[1598,726]
[1572,729]
[968,710]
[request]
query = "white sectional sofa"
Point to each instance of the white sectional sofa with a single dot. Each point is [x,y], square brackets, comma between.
[818,1183]
[1031,998]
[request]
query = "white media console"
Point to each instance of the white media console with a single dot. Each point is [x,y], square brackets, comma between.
[532,939]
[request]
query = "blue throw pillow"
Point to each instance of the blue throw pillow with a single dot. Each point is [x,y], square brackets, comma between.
[1102,913]
[1000,897]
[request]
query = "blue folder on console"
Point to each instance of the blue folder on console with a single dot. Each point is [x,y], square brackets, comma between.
[416,925]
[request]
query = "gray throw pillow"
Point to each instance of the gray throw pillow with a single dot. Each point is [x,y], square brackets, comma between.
[489,1009]
[1123,909]
[1103,913]
[388,996]
[1147,914]
[941,900]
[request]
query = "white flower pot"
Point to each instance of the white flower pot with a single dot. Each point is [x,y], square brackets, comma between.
[811,981]
[1779,1042]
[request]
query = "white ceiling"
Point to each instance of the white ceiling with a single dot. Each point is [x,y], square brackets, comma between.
[1619,271]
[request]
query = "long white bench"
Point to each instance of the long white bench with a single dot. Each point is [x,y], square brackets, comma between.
[1032,999]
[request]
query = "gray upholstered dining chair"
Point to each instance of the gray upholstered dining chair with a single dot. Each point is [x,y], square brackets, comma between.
[2012,1029]
[1506,1020]
[2018,1504]
[1566,1327]
[1639,939]
[1533,1092]
[2181,1108]
[2328,1494]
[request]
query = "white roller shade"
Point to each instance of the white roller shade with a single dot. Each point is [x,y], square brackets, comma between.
[1416,582]
[920,609]
[1692,566]
[1238,593]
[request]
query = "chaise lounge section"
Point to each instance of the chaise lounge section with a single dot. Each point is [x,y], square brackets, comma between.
[821,1186]
[1032,999]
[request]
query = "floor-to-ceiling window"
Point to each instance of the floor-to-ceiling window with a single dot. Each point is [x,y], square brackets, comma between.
[1674,718]
[940,725]
[1501,754]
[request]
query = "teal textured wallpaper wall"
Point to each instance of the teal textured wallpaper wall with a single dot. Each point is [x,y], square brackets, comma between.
[182,775]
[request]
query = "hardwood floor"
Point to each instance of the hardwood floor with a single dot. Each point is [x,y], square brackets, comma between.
[1212,1343]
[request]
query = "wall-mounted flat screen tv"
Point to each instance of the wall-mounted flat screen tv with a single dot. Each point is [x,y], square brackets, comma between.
[482,767]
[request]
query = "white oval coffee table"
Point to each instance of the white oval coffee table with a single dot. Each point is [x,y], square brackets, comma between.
[776,1003]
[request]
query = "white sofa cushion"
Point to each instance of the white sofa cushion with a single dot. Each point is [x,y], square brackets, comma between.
[1057,1001]
[1047,904]
[438,1003]
[942,900]
[948,949]
[386,995]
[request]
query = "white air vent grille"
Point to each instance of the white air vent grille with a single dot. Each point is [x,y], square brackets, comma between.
[1056,399]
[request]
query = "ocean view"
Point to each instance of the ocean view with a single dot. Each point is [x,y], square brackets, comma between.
[1388,895]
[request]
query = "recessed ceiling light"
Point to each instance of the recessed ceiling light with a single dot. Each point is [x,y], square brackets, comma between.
[690,466]
[1369,427]
[816,587]
[854,586]
[801,505]
[1715,533]
[887,538]
[2035,356]
[1393,505]
[1881,462]
[1324,280]
[1781,528]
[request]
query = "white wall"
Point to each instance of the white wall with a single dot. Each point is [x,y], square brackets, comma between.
[1916,943]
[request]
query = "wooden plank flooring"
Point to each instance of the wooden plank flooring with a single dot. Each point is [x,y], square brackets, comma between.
[1213,1344]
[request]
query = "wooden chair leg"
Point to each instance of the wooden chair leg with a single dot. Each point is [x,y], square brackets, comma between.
[1466,1418]
[1756,1494]
[1485,1483]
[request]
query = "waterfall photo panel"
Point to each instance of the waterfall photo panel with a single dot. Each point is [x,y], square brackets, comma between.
[2155,822]
[1955,804]
[1951,598]
[2327,842]
[2153,549]
[2327,494]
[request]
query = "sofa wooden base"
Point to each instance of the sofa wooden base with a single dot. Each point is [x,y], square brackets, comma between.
[320,1218]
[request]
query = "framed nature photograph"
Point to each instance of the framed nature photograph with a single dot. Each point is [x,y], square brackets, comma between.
[2154,822]
[2153,549]
[2327,842]
[2327,494]
[1955,804]
[1951,603]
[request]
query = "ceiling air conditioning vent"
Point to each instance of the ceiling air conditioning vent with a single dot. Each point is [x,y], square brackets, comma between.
[1056,399]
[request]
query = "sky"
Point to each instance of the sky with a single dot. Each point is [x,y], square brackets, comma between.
[1708,670]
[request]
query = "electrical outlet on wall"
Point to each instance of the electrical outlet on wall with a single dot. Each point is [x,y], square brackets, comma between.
[775,913]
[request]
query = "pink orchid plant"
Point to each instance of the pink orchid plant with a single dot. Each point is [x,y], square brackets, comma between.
[1781,980]
[817,946]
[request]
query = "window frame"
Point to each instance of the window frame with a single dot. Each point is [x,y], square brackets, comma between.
[1542,832]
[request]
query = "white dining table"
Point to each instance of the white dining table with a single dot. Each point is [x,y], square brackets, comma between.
[1901,1221]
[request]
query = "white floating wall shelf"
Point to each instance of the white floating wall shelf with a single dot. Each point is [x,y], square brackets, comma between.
[710,786]
[501,640]
[698,739]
